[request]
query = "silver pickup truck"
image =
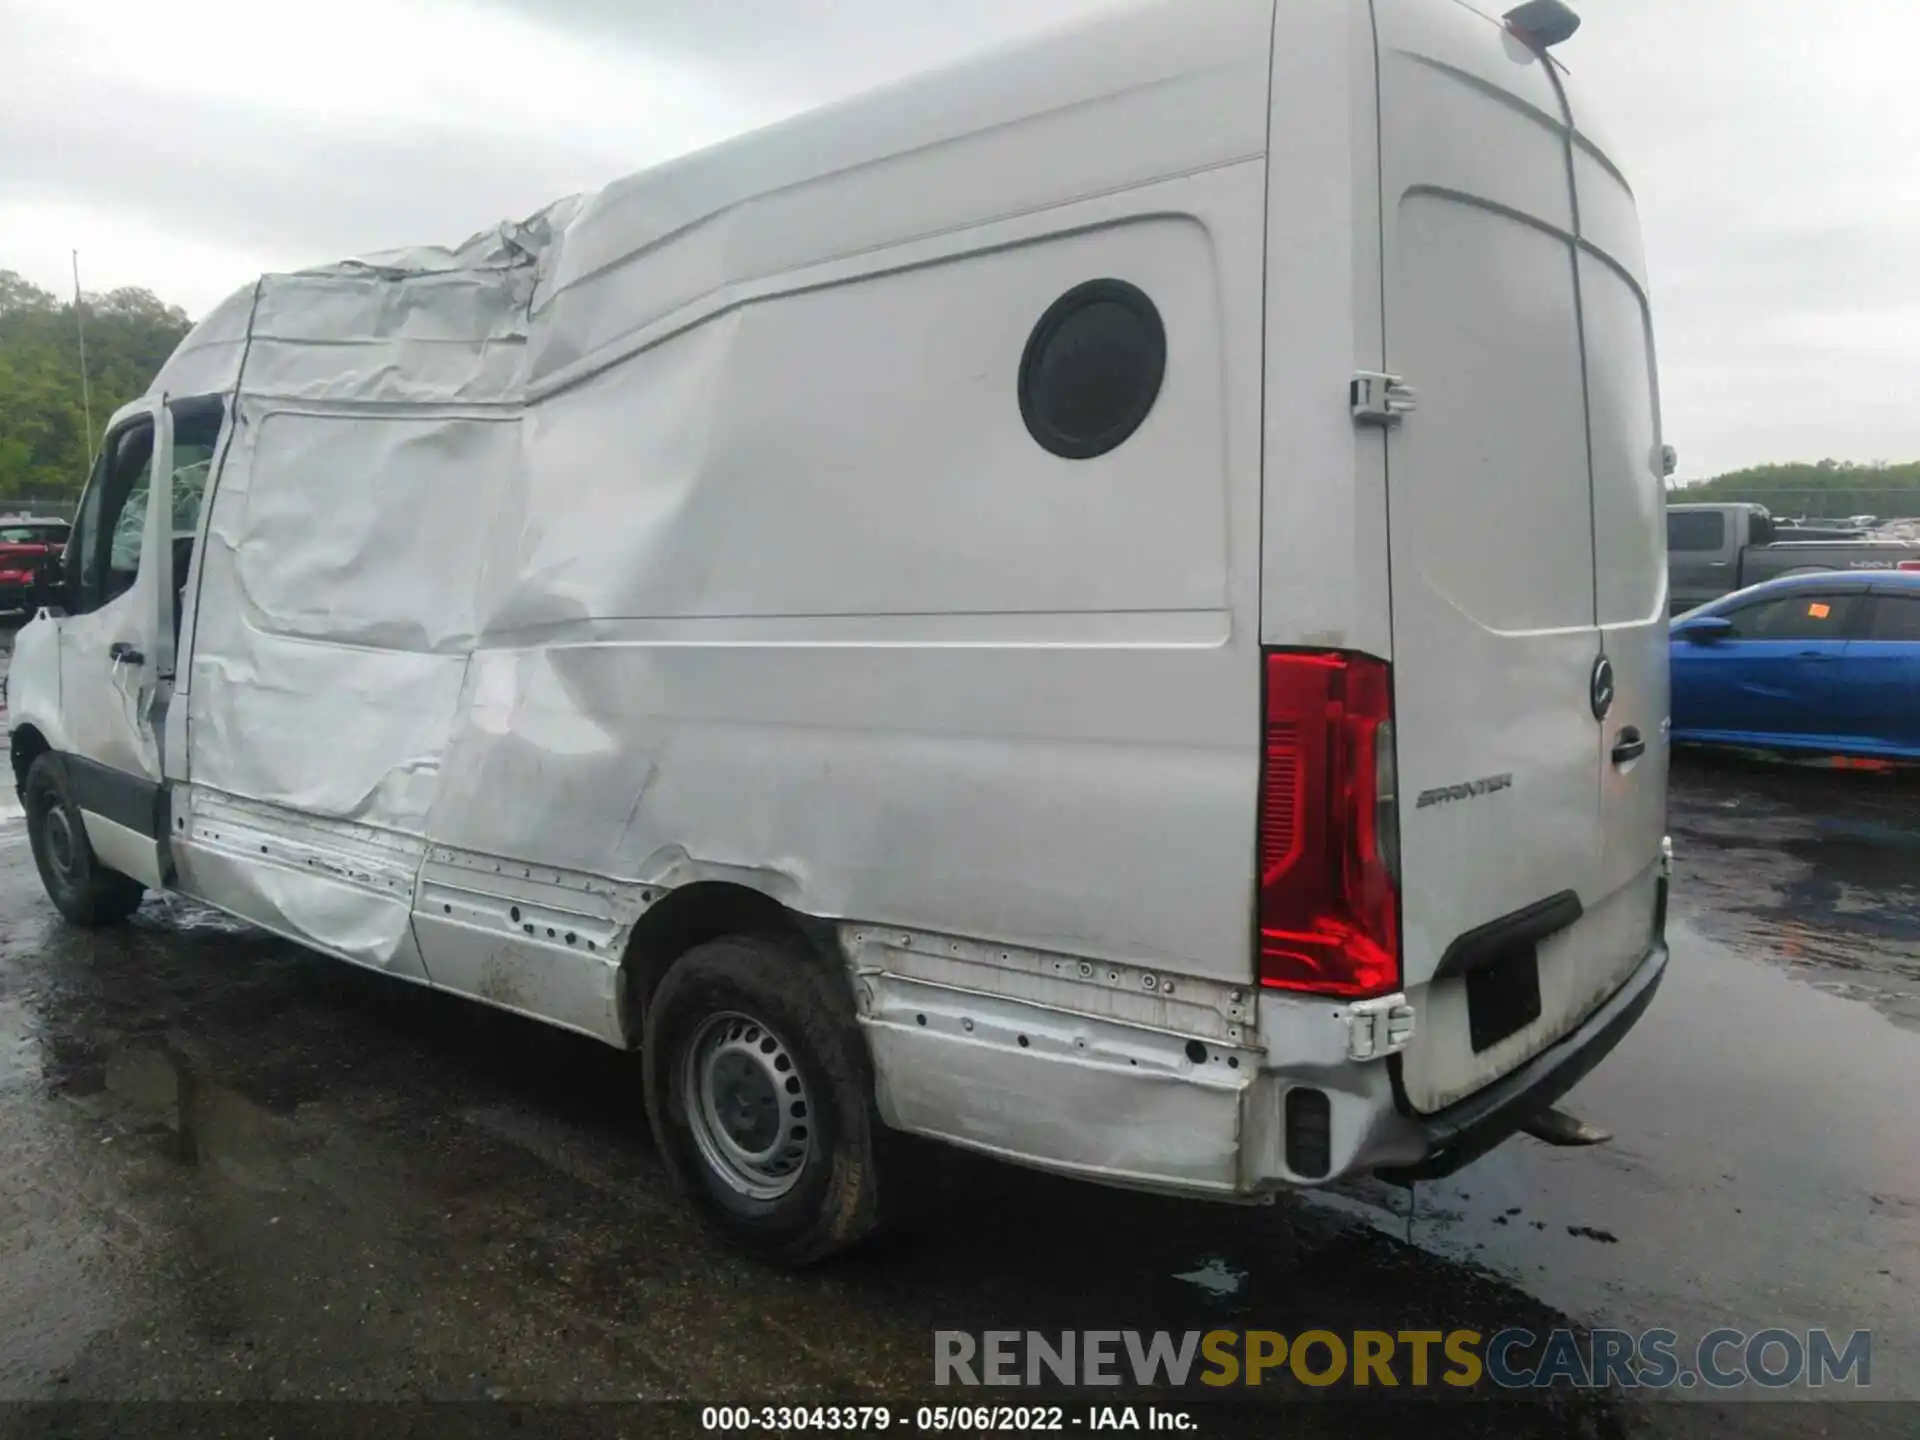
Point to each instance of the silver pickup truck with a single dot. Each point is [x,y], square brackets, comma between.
[1713,550]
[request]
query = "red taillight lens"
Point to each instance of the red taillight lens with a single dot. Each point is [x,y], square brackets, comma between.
[1329,914]
[1910,564]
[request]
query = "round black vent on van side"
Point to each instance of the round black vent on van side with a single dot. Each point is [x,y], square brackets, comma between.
[1092,368]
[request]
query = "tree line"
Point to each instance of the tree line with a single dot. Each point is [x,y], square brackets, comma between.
[44,435]
[1828,489]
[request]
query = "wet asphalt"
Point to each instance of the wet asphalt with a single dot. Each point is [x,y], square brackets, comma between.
[231,1170]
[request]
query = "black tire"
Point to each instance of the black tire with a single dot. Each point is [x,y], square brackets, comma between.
[739,994]
[81,888]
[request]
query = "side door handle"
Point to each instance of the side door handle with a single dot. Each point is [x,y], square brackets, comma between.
[121,652]
[1628,746]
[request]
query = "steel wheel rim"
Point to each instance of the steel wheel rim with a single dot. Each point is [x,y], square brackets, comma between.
[747,1106]
[58,830]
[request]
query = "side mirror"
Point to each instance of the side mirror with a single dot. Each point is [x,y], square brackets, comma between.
[1704,630]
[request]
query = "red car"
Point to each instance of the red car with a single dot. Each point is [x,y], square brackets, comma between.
[24,542]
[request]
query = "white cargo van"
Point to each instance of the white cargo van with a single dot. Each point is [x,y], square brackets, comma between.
[1106,605]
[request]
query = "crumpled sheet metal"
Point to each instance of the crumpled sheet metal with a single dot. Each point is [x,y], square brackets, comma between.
[693,529]
[386,561]
[416,325]
[349,887]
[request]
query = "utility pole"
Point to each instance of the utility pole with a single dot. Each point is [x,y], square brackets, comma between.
[86,393]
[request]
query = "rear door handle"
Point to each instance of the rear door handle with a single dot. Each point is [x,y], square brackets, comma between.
[1628,746]
[120,651]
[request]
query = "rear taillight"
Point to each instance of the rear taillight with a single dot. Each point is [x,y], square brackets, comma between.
[1329,827]
[1910,565]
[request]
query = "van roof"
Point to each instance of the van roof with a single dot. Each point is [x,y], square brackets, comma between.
[592,270]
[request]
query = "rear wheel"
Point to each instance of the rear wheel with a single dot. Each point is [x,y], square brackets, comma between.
[760,1096]
[81,888]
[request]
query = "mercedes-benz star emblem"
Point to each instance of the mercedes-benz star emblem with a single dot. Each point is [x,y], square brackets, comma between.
[1600,688]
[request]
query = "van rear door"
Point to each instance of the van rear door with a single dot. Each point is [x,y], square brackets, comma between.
[1505,713]
[1631,591]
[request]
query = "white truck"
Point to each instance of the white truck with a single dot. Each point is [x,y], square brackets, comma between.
[1105,605]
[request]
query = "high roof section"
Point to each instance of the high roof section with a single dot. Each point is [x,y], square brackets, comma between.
[1142,92]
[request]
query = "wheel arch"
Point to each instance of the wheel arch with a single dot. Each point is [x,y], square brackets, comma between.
[28,745]
[691,915]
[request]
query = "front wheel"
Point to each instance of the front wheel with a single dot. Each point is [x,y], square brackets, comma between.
[81,888]
[760,1097]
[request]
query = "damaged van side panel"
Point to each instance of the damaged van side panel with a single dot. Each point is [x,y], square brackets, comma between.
[692,529]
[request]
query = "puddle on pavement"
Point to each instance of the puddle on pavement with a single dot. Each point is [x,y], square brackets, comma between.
[1817,872]
[1755,1180]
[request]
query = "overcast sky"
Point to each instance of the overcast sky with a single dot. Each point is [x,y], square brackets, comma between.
[186,146]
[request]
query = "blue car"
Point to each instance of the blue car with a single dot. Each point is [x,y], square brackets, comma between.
[1827,663]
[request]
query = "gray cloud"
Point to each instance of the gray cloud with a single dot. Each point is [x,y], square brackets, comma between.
[1768,145]
[295,184]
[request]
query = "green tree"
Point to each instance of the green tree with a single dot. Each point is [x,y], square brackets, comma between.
[43,429]
[1829,489]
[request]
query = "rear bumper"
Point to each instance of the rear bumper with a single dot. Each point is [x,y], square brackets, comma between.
[1183,1098]
[1462,1133]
